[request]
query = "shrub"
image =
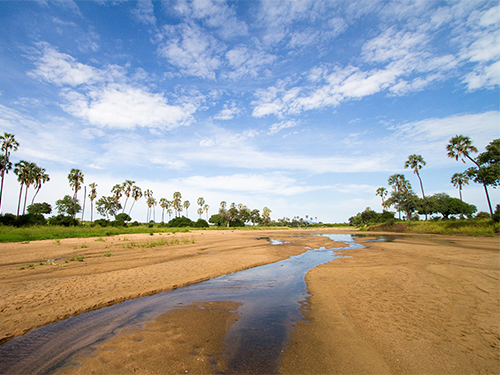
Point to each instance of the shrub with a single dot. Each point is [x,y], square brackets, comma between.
[8,219]
[200,223]
[102,222]
[482,215]
[63,220]
[180,222]
[496,214]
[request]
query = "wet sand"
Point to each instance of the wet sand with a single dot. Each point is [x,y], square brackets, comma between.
[418,305]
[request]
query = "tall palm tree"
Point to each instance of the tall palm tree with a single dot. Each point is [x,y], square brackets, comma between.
[117,192]
[127,190]
[461,147]
[223,204]
[382,192]
[9,144]
[416,162]
[199,212]
[136,195]
[75,178]
[92,196]
[164,203]
[201,202]
[169,212]
[23,170]
[186,205]
[148,194]
[40,178]
[206,207]
[177,202]
[459,180]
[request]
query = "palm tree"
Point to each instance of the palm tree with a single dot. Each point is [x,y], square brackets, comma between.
[398,183]
[206,207]
[75,178]
[416,162]
[22,169]
[199,212]
[223,204]
[92,196]
[40,178]
[9,144]
[460,146]
[148,194]
[127,190]
[136,195]
[117,192]
[164,203]
[186,205]
[177,202]
[459,180]
[382,192]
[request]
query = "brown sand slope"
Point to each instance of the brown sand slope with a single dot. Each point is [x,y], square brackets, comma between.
[418,305]
[138,265]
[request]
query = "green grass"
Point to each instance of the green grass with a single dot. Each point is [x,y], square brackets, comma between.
[450,227]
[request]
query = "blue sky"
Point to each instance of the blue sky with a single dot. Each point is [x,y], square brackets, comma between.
[306,107]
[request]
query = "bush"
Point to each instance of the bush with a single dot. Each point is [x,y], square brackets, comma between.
[66,221]
[8,219]
[180,222]
[496,214]
[102,222]
[200,223]
[482,216]
[30,220]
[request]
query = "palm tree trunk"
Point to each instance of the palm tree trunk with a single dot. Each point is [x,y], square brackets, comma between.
[1,188]
[131,207]
[84,199]
[25,199]
[488,199]
[461,203]
[91,211]
[423,195]
[19,203]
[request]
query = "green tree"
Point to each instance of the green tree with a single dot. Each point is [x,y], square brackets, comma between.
[266,216]
[461,147]
[40,177]
[127,187]
[117,191]
[136,195]
[24,171]
[382,192]
[9,144]
[92,196]
[164,204]
[447,206]
[108,206]
[75,178]
[459,180]
[402,196]
[177,203]
[186,205]
[416,162]
[40,208]
[68,206]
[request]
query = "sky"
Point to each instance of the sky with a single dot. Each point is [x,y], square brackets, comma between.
[302,106]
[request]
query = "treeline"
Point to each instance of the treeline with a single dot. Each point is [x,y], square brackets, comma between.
[485,171]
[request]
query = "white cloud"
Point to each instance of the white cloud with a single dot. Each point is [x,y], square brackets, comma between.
[245,62]
[191,50]
[144,12]
[62,69]
[228,113]
[125,107]
[277,127]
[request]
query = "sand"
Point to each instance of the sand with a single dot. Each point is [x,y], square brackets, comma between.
[417,305]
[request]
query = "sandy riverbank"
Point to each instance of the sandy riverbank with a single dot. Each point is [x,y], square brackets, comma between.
[420,304]
[122,267]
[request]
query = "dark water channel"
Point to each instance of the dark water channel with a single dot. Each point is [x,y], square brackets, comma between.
[270,298]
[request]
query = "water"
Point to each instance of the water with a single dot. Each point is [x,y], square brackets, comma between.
[270,297]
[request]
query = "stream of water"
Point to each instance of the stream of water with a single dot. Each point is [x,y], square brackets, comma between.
[270,298]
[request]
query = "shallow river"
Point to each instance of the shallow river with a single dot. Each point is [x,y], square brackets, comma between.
[270,298]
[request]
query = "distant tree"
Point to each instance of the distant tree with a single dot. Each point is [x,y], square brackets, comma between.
[92,196]
[177,203]
[75,178]
[402,197]
[266,216]
[40,177]
[199,212]
[255,216]
[186,205]
[9,144]
[164,204]
[117,191]
[40,208]
[447,206]
[461,147]
[459,180]
[136,195]
[127,187]
[24,171]
[382,193]
[416,162]
[68,206]
[108,206]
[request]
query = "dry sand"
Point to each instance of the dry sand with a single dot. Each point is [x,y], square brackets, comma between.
[418,305]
